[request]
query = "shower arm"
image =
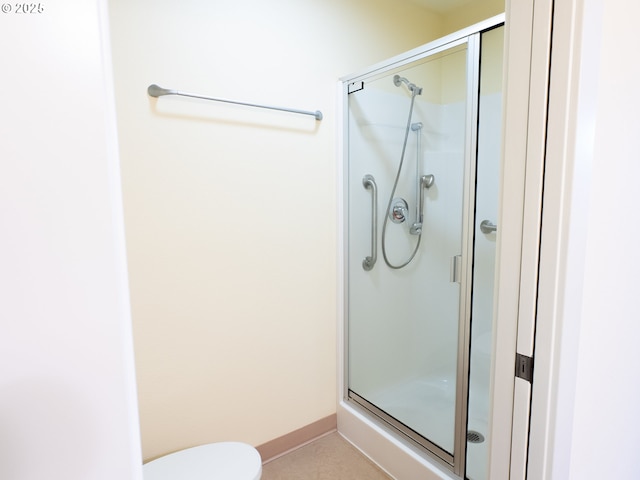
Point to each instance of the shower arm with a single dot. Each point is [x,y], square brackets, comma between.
[156,91]
[413,88]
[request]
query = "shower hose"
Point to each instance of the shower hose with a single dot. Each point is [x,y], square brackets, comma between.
[393,192]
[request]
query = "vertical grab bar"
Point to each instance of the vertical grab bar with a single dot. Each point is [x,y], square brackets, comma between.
[369,182]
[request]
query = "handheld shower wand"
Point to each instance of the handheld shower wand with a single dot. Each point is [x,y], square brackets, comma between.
[399,213]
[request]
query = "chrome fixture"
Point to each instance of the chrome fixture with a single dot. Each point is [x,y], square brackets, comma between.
[156,91]
[487,226]
[370,183]
[455,269]
[414,230]
[397,209]
[413,88]
[400,210]
[426,181]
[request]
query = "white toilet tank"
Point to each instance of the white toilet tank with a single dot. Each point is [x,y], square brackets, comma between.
[213,461]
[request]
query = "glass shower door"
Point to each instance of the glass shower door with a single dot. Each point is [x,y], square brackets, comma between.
[407,194]
[486,209]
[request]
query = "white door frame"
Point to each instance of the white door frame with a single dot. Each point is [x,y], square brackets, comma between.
[527,57]
[550,106]
[569,152]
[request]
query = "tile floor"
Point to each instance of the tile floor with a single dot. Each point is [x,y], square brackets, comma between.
[329,458]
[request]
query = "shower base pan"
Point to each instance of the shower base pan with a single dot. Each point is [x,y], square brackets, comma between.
[424,406]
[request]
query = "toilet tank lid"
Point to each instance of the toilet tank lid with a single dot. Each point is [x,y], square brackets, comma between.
[222,460]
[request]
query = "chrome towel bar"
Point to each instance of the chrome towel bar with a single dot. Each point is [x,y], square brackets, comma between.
[156,91]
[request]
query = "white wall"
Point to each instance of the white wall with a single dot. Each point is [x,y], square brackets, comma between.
[231,212]
[605,415]
[67,393]
[592,334]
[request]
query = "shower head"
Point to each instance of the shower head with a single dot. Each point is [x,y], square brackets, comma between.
[397,80]
[416,126]
[413,88]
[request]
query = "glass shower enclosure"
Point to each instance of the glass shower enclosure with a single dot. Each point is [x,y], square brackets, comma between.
[421,173]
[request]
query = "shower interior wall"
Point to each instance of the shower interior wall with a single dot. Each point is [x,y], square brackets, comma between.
[230,211]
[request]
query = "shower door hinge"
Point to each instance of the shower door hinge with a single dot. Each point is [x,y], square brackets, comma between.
[355,87]
[524,367]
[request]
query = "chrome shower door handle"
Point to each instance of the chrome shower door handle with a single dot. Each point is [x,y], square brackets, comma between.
[455,269]
[370,183]
[487,226]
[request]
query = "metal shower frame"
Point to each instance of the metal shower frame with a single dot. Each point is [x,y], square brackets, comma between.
[470,37]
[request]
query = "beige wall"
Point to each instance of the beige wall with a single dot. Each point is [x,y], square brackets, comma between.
[231,212]
[473,12]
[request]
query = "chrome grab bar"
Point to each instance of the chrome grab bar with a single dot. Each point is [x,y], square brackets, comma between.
[486,226]
[369,182]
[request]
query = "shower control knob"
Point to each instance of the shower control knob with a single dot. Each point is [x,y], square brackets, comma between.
[399,210]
